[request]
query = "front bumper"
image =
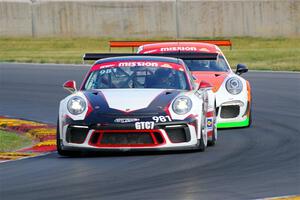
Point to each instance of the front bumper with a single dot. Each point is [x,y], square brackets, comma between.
[232,114]
[173,135]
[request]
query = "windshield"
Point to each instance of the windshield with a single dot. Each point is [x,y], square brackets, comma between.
[137,77]
[219,65]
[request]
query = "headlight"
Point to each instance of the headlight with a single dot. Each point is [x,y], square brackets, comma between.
[76,105]
[182,105]
[234,85]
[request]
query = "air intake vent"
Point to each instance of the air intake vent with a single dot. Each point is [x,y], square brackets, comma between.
[230,111]
[178,134]
[76,135]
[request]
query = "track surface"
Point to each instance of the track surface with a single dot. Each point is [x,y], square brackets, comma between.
[261,161]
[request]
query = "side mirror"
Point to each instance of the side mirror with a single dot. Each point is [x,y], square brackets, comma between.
[70,86]
[241,68]
[205,85]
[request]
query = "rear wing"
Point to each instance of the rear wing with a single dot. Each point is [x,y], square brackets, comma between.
[133,44]
[189,56]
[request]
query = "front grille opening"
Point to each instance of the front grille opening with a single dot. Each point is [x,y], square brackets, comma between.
[126,138]
[178,134]
[76,135]
[230,111]
[103,138]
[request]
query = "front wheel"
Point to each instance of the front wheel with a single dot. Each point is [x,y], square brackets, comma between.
[213,140]
[202,142]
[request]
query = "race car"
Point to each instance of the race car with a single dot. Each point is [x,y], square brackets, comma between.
[233,93]
[136,103]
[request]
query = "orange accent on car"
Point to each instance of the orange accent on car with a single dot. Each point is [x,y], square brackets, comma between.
[249,96]
[215,78]
[140,43]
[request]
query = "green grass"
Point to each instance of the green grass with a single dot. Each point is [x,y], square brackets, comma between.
[265,54]
[11,141]
[256,53]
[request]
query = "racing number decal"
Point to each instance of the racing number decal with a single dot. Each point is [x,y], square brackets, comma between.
[144,125]
[107,71]
[150,124]
[161,118]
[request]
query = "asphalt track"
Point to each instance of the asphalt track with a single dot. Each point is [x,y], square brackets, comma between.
[261,161]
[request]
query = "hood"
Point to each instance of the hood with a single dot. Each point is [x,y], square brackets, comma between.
[215,78]
[130,101]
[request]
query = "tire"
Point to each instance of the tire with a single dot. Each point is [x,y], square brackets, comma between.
[202,142]
[213,140]
[60,151]
[201,145]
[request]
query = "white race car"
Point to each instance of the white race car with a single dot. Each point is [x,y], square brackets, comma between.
[136,103]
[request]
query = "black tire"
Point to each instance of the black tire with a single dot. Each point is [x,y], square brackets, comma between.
[201,144]
[60,151]
[213,140]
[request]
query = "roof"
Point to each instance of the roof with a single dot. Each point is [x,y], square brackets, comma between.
[179,47]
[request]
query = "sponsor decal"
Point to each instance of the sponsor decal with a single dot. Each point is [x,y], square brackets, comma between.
[167,66]
[139,63]
[126,120]
[144,125]
[204,49]
[209,123]
[166,49]
[106,66]
[150,51]
[110,67]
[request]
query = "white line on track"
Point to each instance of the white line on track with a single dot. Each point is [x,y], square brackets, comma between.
[27,157]
[287,197]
